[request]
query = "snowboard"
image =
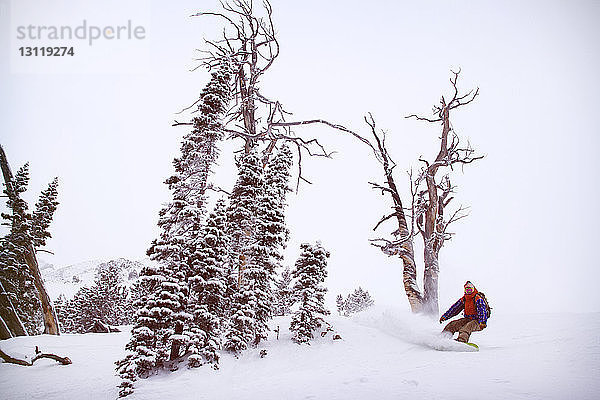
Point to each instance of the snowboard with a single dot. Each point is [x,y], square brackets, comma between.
[473,345]
[453,345]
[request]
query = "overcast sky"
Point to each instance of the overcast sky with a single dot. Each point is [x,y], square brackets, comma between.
[100,121]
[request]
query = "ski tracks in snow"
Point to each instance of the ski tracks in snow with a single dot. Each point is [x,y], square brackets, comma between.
[409,328]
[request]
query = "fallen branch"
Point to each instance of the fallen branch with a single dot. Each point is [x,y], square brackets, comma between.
[38,355]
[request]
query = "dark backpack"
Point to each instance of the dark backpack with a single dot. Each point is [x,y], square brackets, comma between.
[488,309]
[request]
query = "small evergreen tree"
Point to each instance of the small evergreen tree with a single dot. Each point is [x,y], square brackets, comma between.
[242,322]
[356,301]
[231,285]
[245,255]
[309,273]
[158,334]
[144,351]
[105,301]
[83,304]
[27,233]
[339,302]
[63,314]
[271,231]
[14,272]
[283,293]
[43,214]
[208,288]
[256,221]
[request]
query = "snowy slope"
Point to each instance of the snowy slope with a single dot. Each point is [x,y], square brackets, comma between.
[384,354]
[69,279]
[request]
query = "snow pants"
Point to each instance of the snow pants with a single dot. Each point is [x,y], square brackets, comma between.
[464,327]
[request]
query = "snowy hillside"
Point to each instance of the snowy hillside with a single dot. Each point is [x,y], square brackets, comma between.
[384,354]
[68,280]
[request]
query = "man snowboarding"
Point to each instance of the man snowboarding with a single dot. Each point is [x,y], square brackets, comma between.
[475,315]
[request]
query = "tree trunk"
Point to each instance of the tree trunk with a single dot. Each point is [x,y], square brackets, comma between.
[407,253]
[409,277]
[176,345]
[50,320]
[430,238]
[430,283]
[430,274]
[10,324]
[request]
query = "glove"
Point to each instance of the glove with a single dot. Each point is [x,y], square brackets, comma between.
[482,325]
[442,319]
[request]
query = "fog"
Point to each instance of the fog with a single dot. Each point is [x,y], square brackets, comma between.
[101,122]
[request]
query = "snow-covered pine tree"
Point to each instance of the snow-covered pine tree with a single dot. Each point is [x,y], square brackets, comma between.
[158,332]
[208,126]
[309,273]
[283,293]
[350,304]
[59,309]
[365,300]
[138,293]
[271,235]
[14,272]
[64,313]
[277,174]
[111,293]
[142,347]
[245,253]
[231,286]
[357,301]
[208,286]
[20,244]
[339,302]
[105,301]
[43,214]
[83,304]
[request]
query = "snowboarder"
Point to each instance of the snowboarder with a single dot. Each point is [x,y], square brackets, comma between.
[475,315]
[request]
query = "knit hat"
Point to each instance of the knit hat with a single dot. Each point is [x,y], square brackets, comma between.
[469,283]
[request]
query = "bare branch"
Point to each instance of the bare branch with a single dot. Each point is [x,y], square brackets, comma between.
[187,108]
[43,251]
[177,123]
[457,215]
[39,355]
[225,17]
[423,118]
[322,121]
[382,188]
[217,189]
[383,219]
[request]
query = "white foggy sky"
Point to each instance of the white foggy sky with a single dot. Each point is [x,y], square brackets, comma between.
[103,127]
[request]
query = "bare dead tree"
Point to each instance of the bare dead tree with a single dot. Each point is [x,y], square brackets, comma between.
[251,43]
[430,197]
[432,201]
[402,244]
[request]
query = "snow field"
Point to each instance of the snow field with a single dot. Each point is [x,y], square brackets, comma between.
[385,354]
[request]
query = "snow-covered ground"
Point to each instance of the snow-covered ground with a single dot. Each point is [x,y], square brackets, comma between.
[384,354]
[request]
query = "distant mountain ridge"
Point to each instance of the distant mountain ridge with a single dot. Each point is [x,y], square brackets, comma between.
[69,279]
